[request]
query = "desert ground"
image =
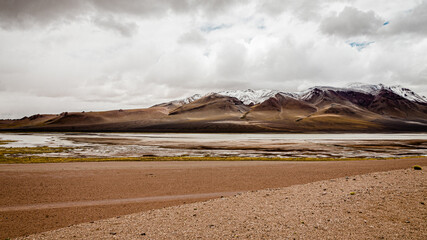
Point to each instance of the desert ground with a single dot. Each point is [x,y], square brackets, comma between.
[386,205]
[43,197]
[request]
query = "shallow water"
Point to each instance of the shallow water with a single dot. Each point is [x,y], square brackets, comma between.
[59,139]
[224,145]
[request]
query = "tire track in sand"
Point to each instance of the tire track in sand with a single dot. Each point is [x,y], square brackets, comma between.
[40,206]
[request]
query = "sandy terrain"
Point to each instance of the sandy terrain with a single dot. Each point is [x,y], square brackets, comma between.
[386,205]
[41,197]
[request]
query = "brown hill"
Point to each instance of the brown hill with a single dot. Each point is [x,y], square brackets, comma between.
[392,105]
[281,107]
[212,105]
[319,109]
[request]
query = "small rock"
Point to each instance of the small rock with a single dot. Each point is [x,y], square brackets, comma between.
[113,233]
[422,203]
[417,167]
[143,234]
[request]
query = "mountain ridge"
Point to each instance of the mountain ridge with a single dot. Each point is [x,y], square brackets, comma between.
[250,96]
[356,108]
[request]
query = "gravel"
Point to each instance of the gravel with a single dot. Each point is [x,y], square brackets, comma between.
[386,205]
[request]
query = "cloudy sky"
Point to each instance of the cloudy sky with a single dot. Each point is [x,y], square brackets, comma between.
[81,55]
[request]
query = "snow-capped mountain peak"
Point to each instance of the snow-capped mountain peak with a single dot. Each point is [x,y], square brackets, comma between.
[192,98]
[367,88]
[253,97]
[408,94]
[250,96]
[397,89]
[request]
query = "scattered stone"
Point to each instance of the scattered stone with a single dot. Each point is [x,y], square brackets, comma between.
[253,217]
[417,167]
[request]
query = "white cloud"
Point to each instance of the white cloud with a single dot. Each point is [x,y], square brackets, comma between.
[104,54]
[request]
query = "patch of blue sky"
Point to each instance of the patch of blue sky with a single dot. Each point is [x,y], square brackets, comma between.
[260,24]
[360,45]
[210,27]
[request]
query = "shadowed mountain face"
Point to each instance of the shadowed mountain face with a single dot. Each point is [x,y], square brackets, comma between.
[359,108]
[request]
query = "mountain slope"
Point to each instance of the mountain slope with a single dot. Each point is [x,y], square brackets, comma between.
[356,108]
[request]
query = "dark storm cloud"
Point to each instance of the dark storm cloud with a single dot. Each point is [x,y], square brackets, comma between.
[192,37]
[26,13]
[413,21]
[23,13]
[302,7]
[352,22]
[126,29]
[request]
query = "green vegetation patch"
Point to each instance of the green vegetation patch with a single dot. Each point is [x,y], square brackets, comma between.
[26,154]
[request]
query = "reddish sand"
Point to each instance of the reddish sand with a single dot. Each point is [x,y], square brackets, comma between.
[41,197]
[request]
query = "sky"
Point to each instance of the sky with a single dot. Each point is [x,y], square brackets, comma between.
[92,55]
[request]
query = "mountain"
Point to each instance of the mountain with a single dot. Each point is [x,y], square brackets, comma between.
[399,90]
[252,97]
[354,108]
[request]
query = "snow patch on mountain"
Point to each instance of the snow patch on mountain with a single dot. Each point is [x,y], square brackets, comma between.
[250,96]
[192,98]
[397,89]
[366,88]
[408,94]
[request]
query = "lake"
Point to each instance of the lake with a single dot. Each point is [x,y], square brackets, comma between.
[247,145]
